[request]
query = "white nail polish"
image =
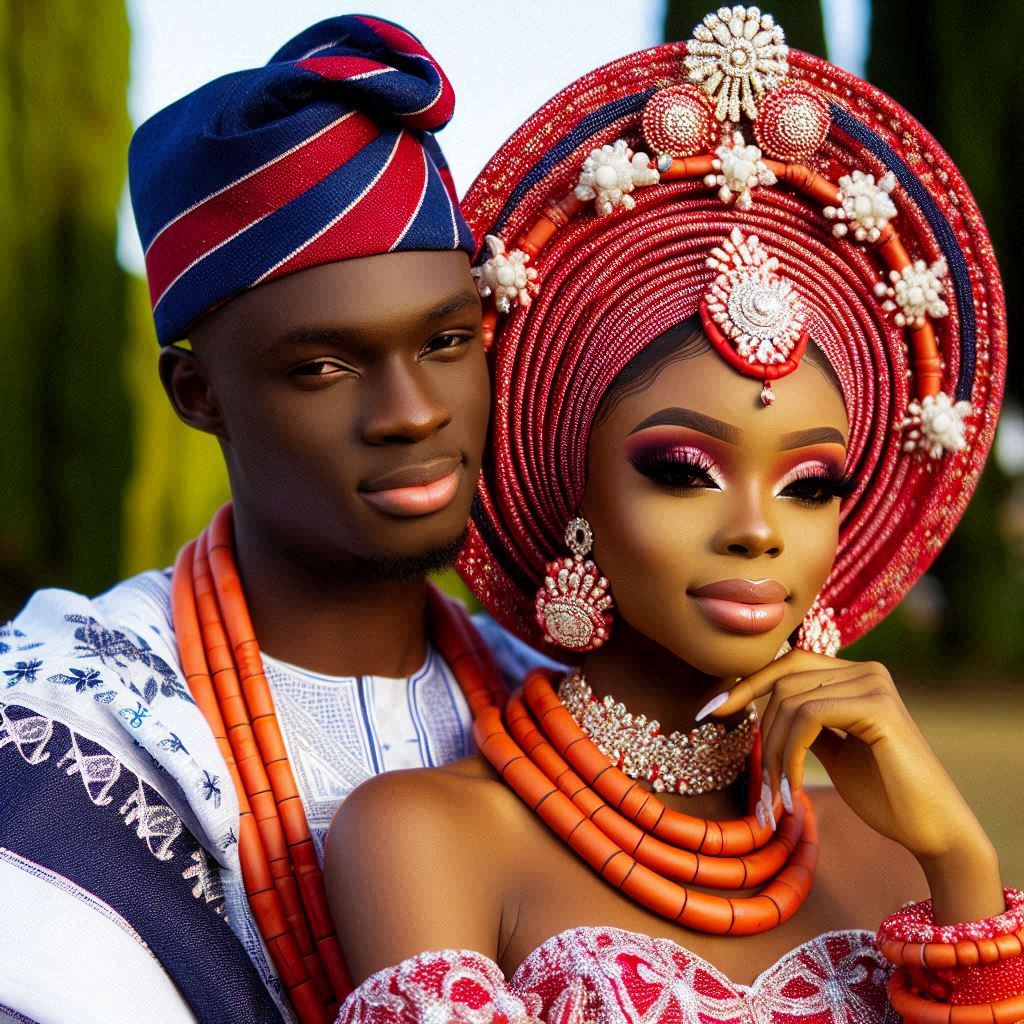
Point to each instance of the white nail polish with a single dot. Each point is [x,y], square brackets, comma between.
[787,795]
[759,814]
[712,705]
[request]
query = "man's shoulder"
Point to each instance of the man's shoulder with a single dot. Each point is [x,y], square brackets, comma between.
[142,601]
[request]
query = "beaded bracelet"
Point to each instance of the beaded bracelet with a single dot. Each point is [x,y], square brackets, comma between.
[962,973]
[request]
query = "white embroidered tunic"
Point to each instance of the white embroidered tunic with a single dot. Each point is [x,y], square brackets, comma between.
[96,719]
[339,731]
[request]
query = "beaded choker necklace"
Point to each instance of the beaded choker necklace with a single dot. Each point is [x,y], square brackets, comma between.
[707,758]
[221,661]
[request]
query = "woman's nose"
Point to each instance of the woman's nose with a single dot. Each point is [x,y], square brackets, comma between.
[751,530]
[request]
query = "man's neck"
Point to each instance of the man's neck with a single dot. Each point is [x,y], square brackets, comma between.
[332,622]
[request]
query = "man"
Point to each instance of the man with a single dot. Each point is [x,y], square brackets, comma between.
[301,231]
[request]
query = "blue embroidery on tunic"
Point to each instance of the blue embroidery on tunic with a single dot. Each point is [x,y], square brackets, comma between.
[210,788]
[116,650]
[23,672]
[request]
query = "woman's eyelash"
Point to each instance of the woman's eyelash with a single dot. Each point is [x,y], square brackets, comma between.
[678,468]
[815,483]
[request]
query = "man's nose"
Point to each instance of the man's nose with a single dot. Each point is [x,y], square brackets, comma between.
[401,406]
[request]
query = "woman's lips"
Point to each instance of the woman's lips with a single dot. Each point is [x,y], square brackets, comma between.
[417,499]
[743,606]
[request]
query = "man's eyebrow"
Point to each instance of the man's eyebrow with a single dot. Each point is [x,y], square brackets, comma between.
[311,336]
[675,417]
[452,304]
[340,337]
[816,435]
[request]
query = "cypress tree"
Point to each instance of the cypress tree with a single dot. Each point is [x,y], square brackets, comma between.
[64,429]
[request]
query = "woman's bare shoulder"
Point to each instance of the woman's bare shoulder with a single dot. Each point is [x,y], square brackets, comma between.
[868,875]
[414,861]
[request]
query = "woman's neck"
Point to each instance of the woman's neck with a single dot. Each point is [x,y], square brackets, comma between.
[650,680]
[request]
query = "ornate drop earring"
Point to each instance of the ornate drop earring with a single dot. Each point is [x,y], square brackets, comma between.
[574,605]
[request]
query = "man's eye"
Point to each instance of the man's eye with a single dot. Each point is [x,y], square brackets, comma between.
[447,343]
[317,368]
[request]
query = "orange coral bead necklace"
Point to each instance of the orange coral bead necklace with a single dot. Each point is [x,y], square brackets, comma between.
[645,849]
[648,851]
[221,661]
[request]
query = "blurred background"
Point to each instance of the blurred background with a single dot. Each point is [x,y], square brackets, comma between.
[98,479]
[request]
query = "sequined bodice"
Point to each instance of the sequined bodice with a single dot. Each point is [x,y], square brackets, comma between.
[612,976]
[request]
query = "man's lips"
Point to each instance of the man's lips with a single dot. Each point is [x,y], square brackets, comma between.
[743,606]
[415,490]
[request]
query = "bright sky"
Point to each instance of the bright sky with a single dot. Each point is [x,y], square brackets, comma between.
[504,59]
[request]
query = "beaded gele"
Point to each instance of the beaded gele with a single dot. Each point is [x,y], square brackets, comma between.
[862,219]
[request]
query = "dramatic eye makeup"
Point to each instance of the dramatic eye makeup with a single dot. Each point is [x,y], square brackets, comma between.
[814,482]
[674,464]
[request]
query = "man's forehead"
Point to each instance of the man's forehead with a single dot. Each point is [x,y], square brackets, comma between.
[351,297]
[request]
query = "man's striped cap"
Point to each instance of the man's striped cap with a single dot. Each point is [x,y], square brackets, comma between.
[324,154]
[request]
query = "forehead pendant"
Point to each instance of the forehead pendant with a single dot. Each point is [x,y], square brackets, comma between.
[751,313]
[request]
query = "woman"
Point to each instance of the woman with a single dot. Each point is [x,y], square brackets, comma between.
[754,382]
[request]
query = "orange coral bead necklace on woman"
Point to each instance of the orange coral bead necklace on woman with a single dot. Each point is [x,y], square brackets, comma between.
[648,851]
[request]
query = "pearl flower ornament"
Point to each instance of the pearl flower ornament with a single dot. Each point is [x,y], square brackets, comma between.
[506,276]
[916,290]
[935,425]
[736,55]
[740,169]
[610,173]
[866,206]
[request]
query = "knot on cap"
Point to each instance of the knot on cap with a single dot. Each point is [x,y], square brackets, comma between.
[368,63]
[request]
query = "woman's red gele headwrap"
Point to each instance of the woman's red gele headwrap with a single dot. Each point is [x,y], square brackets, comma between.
[825,210]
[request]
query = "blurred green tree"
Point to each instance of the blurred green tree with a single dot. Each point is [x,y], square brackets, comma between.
[65,439]
[178,479]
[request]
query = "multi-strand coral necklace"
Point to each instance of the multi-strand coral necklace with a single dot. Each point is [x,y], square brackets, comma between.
[651,853]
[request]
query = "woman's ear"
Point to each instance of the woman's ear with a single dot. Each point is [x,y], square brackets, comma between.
[190,390]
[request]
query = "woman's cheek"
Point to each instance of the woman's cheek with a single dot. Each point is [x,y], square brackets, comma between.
[651,557]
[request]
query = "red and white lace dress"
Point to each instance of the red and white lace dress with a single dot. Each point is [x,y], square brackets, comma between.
[606,975]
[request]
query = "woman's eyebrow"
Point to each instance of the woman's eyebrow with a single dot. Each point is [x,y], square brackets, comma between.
[675,417]
[816,435]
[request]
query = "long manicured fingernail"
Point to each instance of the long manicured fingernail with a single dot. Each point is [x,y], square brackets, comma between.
[712,705]
[787,794]
[762,819]
[766,800]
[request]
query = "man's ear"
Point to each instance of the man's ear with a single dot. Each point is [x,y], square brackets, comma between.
[190,390]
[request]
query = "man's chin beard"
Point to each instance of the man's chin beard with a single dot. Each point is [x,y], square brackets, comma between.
[389,569]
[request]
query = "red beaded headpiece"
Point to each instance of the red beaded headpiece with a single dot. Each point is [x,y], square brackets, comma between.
[601,214]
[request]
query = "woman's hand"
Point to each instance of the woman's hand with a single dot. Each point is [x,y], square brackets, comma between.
[851,716]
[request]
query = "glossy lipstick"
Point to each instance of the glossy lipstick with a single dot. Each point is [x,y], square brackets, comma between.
[743,606]
[416,490]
